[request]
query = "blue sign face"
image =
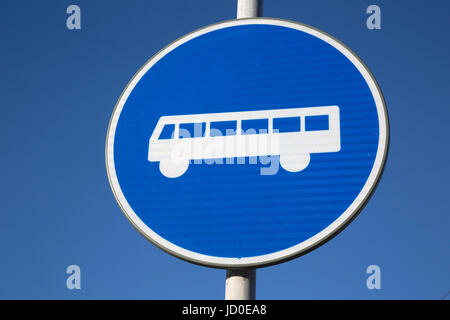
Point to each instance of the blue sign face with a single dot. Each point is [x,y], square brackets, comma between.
[247,143]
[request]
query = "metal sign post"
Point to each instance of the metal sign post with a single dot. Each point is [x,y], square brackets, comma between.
[240,284]
[249,9]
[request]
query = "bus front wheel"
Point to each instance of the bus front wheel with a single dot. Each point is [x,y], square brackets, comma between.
[173,170]
[295,162]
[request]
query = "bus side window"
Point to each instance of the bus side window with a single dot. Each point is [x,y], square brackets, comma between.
[291,124]
[222,128]
[167,132]
[315,123]
[192,130]
[255,126]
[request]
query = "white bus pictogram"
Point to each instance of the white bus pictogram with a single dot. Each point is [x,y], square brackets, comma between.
[294,144]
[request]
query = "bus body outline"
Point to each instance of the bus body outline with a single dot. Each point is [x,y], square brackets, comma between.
[294,147]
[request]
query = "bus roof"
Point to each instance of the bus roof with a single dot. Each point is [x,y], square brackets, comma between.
[249,115]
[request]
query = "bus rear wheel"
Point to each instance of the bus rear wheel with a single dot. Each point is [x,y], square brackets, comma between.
[295,162]
[173,170]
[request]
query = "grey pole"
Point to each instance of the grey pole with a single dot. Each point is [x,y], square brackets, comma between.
[249,8]
[241,283]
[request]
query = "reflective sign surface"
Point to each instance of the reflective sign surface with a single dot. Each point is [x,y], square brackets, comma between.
[247,143]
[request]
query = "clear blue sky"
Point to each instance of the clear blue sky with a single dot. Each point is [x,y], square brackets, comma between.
[59,88]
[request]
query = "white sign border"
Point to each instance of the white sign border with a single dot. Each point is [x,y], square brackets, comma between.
[283,255]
